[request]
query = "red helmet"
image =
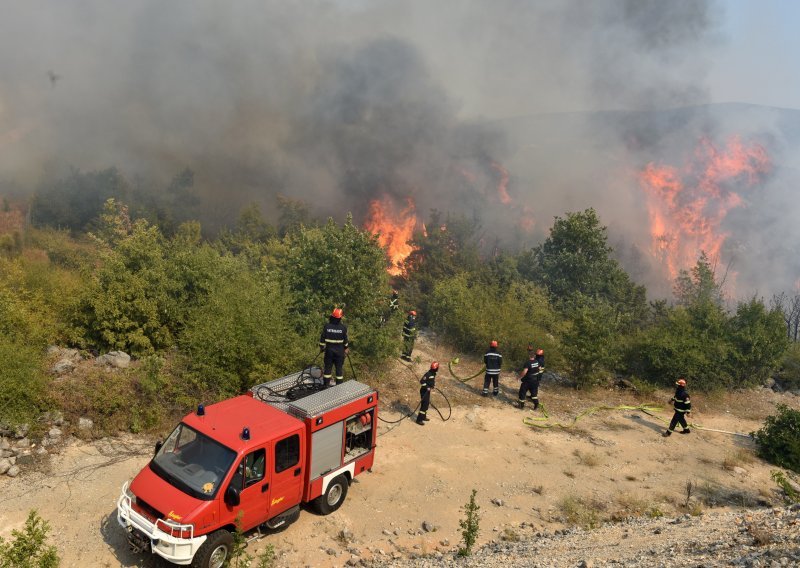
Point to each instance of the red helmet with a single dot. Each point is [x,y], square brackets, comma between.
[435,366]
[337,313]
[493,343]
[413,313]
[540,351]
[681,382]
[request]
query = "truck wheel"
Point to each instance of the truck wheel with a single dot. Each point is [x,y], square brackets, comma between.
[333,497]
[214,551]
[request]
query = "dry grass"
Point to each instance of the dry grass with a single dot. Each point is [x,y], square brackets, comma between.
[761,536]
[582,512]
[587,459]
[570,474]
[738,458]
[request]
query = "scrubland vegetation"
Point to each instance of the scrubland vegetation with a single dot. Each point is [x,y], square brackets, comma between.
[209,315]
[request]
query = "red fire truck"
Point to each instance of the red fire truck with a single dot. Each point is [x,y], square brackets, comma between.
[250,461]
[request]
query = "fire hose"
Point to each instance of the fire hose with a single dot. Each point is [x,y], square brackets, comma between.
[647,408]
[456,377]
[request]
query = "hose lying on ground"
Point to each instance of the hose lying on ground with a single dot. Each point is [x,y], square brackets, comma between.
[541,421]
[456,377]
[647,408]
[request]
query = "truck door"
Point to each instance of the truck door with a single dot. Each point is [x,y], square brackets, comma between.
[252,479]
[287,476]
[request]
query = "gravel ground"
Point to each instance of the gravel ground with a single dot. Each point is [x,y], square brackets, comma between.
[768,538]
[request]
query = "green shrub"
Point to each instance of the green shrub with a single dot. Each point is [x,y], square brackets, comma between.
[779,440]
[241,335]
[22,384]
[471,314]
[28,547]
[470,525]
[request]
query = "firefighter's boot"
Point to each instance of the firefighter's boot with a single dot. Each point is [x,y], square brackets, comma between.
[339,380]
[421,419]
[485,392]
[535,403]
[685,431]
[495,392]
[520,404]
[667,434]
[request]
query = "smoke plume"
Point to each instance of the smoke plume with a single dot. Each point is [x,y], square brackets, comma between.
[514,110]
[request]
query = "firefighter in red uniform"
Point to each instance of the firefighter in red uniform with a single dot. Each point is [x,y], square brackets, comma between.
[529,376]
[683,408]
[493,361]
[427,384]
[333,341]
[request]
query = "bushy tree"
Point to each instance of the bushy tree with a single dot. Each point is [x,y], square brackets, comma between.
[448,247]
[574,264]
[76,200]
[242,334]
[779,439]
[471,314]
[329,266]
[591,341]
[758,342]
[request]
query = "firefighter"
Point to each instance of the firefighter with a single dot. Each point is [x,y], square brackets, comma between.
[493,361]
[394,302]
[409,335]
[683,408]
[333,341]
[538,355]
[529,376]
[427,384]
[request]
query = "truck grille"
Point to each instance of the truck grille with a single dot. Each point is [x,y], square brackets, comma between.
[147,510]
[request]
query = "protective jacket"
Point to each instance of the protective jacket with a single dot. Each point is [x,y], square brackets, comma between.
[410,328]
[680,401]
[334,336]
[531,368]
[428,381]
[493,361]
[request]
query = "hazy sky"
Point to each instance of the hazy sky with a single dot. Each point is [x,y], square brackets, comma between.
[756,60]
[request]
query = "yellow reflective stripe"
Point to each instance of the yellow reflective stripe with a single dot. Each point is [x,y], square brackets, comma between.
[334,341]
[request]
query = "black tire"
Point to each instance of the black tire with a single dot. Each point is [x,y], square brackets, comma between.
[214,551]
[333,497]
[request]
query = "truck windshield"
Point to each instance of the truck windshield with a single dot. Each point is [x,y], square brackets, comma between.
[193,462]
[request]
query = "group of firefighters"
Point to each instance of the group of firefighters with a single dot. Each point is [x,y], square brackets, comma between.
[334,343]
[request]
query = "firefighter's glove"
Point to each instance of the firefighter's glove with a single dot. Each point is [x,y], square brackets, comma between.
[321,348]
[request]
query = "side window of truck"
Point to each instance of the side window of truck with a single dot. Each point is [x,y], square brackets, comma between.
[254,467]
[287,453]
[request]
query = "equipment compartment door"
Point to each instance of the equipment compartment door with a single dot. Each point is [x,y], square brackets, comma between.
[326,449]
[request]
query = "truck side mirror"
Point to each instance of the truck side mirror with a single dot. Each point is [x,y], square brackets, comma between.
[232,497]
[158,446]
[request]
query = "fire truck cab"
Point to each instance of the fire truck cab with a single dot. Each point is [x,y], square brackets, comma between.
[249,462]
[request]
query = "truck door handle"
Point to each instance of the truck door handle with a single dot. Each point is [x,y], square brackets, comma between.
[264,488]
[297,471]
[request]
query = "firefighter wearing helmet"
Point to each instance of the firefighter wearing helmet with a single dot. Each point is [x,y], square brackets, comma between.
[427,384]
[333,341]
[683,408]
[530,376]
[409,335]
[492,360]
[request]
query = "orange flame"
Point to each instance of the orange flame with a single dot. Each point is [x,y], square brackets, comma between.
[394,230]
[502,186]
[686,210]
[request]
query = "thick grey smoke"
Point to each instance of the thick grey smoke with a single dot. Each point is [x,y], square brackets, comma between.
[340,102]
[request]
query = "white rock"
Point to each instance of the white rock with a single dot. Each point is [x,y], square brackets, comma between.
[117,359]
[85,423]
[5,465]
[13,471]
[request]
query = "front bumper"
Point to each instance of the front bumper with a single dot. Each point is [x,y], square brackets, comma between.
[161,534]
